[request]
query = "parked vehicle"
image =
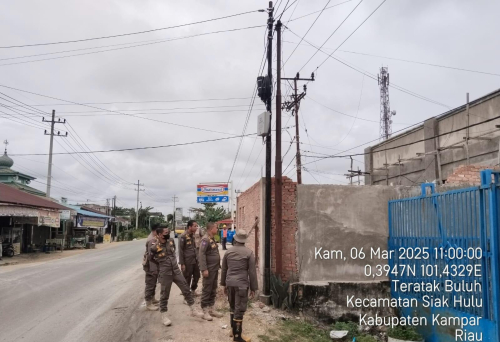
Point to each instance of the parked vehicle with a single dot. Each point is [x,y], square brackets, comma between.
[8,249]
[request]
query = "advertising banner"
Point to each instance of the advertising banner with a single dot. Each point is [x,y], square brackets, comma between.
[48,218]
[92,222]
[212,193]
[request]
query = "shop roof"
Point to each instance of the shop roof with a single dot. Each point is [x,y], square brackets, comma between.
[81,211]
[11,195]
[225,221]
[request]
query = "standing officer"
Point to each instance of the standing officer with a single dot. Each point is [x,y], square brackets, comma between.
[163,251]
[224,237]
[209,265]
[239,274]
[188,258]
[151,268]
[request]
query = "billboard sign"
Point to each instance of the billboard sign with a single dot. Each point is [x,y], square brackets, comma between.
[212,193]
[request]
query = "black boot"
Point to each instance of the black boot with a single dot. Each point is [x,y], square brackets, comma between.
[231,315]
[238,330]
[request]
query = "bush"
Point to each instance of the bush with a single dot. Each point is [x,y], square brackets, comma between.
[404,333]
[366,338]
[349,326]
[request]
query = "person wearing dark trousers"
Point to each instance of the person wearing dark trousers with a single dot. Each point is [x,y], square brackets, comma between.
[188,257]
[151,268]
[209,259]
[224,237]
[239,276]
[163,251]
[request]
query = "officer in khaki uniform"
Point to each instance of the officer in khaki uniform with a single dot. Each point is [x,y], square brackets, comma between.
[151,268]
[239,274]
[163,251]
[209,259]
[188,257]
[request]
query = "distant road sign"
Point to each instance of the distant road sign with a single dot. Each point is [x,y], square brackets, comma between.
[212,193]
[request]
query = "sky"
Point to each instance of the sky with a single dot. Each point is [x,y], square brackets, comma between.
[196,82]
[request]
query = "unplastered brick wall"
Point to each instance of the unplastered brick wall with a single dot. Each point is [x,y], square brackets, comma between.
[467,175]
[249,206]
[289,231]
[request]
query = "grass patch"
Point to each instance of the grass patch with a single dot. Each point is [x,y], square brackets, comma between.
[296,331]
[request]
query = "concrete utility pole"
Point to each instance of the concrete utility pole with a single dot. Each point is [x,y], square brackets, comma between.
[294,105]
[137,212]
[52,123]
[266,298]
[278,186]
[175,198]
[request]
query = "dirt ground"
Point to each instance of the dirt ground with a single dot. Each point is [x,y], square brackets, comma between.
[28,258]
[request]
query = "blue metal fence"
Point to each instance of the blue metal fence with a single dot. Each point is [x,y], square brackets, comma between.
[459,231]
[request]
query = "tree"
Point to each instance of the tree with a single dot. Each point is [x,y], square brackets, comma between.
[210,213]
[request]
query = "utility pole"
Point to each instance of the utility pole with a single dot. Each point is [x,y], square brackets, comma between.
[175,198]
[353,173]
[294,105]
[278,186]
[52,123]
[467,132]
[137,212]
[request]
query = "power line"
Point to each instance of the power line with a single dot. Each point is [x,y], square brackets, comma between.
[305,34]
[132,33]
[133,46]
[410,143]
[422,63]
[343,21]
[138,148]
[114,111]
[357,28]
[306,15]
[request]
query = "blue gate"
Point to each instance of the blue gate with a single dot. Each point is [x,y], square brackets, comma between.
[450,240]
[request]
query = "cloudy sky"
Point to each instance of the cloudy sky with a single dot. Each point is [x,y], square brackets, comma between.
[195,83]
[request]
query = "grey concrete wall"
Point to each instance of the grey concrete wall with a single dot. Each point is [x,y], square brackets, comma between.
[339,217]
[483,146]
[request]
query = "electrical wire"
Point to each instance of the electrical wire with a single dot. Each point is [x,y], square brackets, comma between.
[331,35]
[132,46]
[305,34]
[306,15]
[132,33]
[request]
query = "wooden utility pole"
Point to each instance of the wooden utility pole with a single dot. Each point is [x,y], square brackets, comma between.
[295,104]
[52,123]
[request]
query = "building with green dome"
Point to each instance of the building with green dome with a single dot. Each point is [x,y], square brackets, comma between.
[14,178]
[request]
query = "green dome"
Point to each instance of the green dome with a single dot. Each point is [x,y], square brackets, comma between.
[6,161]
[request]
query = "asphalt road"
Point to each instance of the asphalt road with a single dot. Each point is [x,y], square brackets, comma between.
[86,297]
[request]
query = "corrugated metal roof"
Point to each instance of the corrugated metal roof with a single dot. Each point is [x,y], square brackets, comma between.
[81,211]
[12,195]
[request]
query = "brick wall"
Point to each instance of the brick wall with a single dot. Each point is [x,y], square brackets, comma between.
[467,175]
[289,231]
[250,204]
[248,207]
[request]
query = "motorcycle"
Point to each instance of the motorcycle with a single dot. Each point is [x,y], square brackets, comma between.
[8,249]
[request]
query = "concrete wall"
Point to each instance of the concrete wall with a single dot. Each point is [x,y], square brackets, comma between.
[339,217]
[405,167]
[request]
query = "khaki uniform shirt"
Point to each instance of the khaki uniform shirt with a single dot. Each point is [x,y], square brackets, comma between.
[238,268]
[153,266]
[164,255]
[187,249]
[209,256]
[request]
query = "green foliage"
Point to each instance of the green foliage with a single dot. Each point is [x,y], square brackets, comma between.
[129,235]
[170,217]
[279,291]
[296,331]
[349,326]
[209,213]
[366,338]
[404,333]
